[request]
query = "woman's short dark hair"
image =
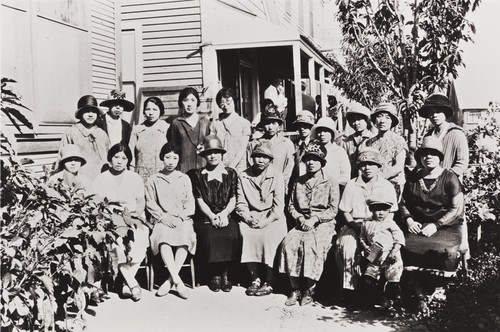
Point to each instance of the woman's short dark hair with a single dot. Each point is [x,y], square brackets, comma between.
[157,101]
[225,93]
[186,92]
[169,147]
[119,147]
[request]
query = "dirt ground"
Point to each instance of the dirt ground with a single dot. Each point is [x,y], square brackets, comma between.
[207,311]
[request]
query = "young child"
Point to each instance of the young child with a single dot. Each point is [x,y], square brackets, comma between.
[92,141]
[70,162]
[381,239]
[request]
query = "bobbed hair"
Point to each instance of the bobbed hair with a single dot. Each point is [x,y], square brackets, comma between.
[157,101]
[169,147]
[119,147]
[186,92]
[225,93]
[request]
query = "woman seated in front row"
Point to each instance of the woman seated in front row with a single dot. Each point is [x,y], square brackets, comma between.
[125,191]
[218,234]
[170,201]
[260,204]
[313,206]
[432,210]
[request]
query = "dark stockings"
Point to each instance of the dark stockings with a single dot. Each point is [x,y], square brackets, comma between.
[301,283]
[218,269]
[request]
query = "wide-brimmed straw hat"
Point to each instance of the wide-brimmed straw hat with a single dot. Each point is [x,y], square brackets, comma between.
[316,151]
[87,102]
[71,151]
[387,108]
[430,143]
[359,109]
[117,97]
[324,122]
[270,113]
[436,101]
[263,149]
[369,155]
[211,143]
[305,117]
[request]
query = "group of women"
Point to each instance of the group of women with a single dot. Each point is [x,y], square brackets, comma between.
[196,190]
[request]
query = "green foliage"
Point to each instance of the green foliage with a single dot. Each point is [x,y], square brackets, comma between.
[482,180]
[54,241]
[15,113]
[400,51]
[472,303]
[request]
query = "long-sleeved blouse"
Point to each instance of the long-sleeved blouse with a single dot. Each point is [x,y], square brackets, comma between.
[316,197]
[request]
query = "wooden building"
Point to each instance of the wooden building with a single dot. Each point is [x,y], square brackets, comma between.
[58,51]
[242,44]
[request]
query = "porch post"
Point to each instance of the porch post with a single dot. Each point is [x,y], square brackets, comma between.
[210,76]
[323,91]
[312,78]
[297,77]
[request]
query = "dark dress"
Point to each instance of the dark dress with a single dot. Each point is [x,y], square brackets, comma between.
[432,204]
[215,245]
[188,139]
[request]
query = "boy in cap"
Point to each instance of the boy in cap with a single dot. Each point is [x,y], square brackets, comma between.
[382,239]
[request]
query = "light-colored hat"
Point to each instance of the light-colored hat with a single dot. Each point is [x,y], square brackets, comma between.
[436,101]
[117,97]
[369,155]
[315,150]
[211,143]
[382,197]
[263,148]
[71,151]
[430,143]
[359,109]
[387,108]
[324,122]
[304,117]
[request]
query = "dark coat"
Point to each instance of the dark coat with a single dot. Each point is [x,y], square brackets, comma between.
[126,129]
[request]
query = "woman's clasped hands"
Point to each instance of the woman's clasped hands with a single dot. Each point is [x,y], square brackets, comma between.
[417,228]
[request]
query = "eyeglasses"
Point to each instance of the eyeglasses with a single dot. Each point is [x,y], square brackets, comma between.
[225,102]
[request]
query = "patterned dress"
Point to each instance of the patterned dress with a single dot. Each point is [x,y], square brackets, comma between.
[171,197]
[94,145]
[303,253]
[146,143]
[215,244]
[390,146]
[261,196]
[188,139]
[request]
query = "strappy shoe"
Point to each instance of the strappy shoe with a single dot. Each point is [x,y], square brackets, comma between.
[164,288]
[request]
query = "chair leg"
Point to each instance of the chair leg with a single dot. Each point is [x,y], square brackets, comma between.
[193,277]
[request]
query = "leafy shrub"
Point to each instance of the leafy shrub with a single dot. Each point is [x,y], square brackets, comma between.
[473,301]
[54,242]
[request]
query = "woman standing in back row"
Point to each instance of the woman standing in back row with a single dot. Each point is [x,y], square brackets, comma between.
[147,139]
[188,130]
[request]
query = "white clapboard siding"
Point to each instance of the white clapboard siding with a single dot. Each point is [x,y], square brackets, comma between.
[171,37]
[104,47]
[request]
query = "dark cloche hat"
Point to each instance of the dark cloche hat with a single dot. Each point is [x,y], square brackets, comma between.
[438,101]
